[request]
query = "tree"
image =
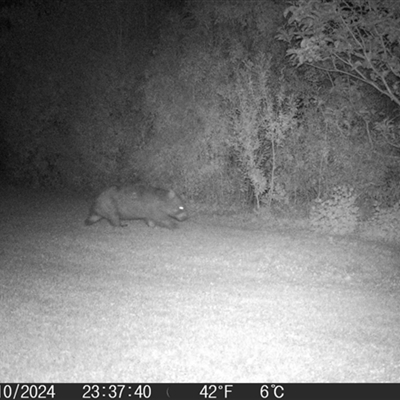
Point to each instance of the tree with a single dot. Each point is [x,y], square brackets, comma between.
[358,38]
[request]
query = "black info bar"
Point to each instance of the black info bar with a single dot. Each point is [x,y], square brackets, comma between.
[193,391]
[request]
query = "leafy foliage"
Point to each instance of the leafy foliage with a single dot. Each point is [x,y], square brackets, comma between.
[337,214]
[357,45]
[210,98]
[260,117]
[201,99]
[384,225]
[358,38]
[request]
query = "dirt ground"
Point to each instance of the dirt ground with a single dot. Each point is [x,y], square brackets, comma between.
[217,300]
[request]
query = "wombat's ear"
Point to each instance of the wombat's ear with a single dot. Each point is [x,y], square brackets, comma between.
[171,194]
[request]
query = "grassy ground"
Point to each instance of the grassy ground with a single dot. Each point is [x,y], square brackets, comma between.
[217,300]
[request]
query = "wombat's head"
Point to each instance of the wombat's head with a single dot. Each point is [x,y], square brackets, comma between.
[175,207]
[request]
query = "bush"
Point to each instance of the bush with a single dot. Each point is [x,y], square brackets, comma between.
[384,225]
[338,214]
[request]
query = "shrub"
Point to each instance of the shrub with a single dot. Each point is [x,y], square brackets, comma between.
[338,214]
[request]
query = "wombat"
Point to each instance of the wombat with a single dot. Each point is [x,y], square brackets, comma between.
[157,207]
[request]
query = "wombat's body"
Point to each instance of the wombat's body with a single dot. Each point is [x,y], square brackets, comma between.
[153,205]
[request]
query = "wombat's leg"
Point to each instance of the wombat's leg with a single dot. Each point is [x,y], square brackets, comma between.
[114,219]
[167,223]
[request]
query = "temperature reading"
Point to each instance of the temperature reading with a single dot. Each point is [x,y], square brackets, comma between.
[272,391]
[212,391]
